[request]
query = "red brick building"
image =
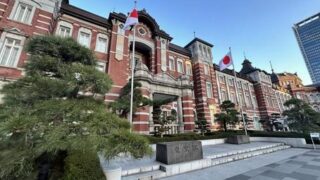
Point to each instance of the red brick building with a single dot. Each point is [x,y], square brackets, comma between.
[166,70]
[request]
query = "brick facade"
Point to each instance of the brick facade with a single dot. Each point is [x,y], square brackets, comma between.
[163,68]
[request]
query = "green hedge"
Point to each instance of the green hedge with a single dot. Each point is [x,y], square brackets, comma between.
[222,134]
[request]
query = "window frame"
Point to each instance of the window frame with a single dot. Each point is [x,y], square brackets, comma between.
[188,68]
[211,93]
[16,6]
[102,36]
[6,35]
[182,69]
[172,66]
[206,69]
[86,31]
[101,63]
[64,24]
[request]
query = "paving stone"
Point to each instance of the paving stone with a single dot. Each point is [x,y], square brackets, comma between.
[311,167]
[256,172]
[288,178]
[308,171]
[273,165]
[302,176]
[296,162]
[274,174]
[262,178]
[287,168]
[239,177]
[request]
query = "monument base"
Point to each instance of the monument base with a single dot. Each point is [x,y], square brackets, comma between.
[238,139]
[177,152]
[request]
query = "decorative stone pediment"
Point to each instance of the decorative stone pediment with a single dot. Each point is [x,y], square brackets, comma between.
[14,31]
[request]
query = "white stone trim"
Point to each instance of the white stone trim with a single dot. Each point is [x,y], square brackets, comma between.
[140,122]
[107,100]
[188,108]
[4,3]
[187,101]
[188,115]
[46,23]
[112,94]
[44,16]
[142,113]
[45,29]
[117,86]
[192,123]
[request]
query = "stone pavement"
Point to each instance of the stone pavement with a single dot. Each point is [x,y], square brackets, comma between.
[302,167]
[291,164]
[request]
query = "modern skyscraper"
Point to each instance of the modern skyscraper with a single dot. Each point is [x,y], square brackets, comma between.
[308,36]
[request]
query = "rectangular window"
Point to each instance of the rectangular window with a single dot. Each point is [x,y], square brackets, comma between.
[84,39]
[171,64]
[180,67]
[221,79]
[189,69]
[9,53]
[230,82]
[224,96]
[209,90]
[239,85]
[101,66]
[64,31]
[206,69]
[233,97]
[23,13]
[101,45]
[248,102]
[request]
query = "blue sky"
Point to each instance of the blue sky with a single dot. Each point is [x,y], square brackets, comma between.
[261,28]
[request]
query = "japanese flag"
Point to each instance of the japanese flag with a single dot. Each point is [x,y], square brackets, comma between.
[225,62]
[132,20]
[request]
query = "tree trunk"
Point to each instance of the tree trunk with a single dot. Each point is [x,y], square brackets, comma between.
[225,126]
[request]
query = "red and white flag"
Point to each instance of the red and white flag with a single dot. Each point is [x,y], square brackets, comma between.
[226,61]
[132,19]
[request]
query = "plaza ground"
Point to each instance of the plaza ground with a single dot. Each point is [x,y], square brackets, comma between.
[290,164]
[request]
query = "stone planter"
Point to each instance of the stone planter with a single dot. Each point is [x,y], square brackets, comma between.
[238,139]
[112,173]
[111,168]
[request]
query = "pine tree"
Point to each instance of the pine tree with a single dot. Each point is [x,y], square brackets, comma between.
[301,117]
[54,118]
[228,114]
[122,105]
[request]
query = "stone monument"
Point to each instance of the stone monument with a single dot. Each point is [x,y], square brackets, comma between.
[238,139]
[177,152]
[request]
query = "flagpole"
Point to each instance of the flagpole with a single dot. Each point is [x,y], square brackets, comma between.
[238,101]
[132,70]
[132,73]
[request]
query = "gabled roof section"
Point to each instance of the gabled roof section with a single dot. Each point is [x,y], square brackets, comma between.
[84,15]
[179,49]
[200,40]
[145,18]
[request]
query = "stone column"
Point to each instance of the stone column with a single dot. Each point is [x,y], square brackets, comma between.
[188,114]
[142,116]
[180,114]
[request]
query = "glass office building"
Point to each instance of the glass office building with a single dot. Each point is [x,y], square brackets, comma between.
[308,36]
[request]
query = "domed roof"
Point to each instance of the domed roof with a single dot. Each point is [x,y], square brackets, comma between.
[247,67]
